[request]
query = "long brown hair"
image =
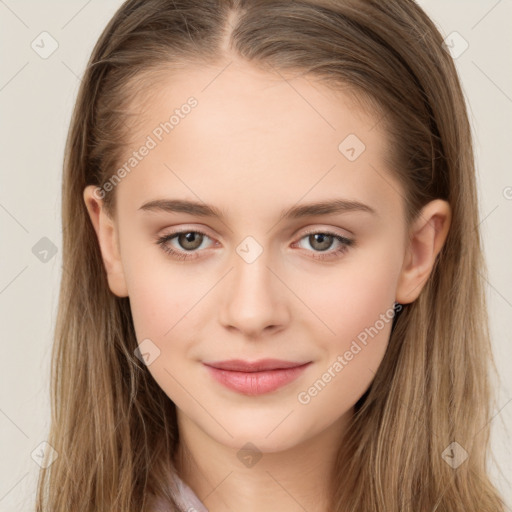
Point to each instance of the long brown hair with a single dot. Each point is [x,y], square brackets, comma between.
[112,426]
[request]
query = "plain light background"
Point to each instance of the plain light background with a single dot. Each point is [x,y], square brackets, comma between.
[36,99]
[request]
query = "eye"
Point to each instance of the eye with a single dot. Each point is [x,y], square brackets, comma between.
[321,241]
[189,241]
[192,240]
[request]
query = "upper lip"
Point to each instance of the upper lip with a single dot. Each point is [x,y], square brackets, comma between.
[239,365]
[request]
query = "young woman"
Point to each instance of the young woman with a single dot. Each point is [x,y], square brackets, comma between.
[272,274]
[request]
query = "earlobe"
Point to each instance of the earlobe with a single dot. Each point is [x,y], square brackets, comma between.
[426,239]
[106,233]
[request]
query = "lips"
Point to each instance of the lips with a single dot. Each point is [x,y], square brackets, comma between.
[255,377]
[238,365]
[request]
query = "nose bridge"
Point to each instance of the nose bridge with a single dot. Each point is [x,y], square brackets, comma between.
[252,300]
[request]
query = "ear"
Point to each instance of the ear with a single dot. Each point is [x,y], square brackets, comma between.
[426,238]
[107,234]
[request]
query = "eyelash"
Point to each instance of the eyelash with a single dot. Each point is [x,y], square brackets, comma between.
[346,243]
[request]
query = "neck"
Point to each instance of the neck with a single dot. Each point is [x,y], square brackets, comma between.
[293,480]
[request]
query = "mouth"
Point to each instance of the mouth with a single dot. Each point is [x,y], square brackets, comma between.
[255,377]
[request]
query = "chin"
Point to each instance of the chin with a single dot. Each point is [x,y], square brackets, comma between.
[247,439]
[268,433]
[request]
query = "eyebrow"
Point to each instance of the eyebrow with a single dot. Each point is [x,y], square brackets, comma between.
[327,207]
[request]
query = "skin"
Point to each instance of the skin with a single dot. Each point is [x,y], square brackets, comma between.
[252,147]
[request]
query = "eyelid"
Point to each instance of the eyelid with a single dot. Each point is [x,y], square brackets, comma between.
[345,242]
[326,230]
[176,230]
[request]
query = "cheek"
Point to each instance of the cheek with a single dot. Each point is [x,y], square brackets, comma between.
[353,298]
[357,306]
[159,308]
[161,301]
[161,292]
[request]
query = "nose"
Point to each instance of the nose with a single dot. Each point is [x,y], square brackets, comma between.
[253,300]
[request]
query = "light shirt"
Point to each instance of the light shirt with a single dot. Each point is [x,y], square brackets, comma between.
[189,501]
[186,499]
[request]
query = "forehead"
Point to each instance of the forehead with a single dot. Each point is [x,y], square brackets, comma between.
[250,135]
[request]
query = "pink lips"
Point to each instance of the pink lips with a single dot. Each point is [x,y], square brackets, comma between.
[255,378]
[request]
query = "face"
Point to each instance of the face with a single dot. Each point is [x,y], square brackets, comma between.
[314,289]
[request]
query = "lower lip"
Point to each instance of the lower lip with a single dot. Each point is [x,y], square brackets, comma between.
[256,383]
